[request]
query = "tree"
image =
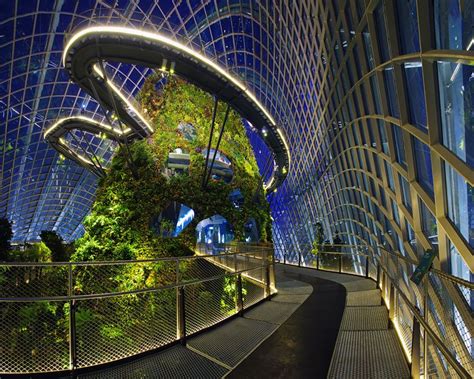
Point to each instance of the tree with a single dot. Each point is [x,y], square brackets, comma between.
[319,239]
[56,244]
[6,234]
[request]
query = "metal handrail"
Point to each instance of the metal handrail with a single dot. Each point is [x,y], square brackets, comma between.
[452,278]
[261,262]
[461,371]
[437,341]
[118,262]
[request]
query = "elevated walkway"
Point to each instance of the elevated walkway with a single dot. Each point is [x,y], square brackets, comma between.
[318,325]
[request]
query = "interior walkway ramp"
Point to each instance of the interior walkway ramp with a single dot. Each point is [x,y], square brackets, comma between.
[319,325]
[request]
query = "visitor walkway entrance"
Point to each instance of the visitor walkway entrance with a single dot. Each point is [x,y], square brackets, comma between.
[319,325]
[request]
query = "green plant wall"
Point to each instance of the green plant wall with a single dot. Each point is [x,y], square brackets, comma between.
[136,189]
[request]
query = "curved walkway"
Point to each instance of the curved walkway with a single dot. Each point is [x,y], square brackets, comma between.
[83,58]
[367,345]
[319,325]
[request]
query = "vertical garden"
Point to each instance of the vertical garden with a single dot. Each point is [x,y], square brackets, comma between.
[152,203]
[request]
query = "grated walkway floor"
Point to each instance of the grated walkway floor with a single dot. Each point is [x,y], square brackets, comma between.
[214,353]
[304,331]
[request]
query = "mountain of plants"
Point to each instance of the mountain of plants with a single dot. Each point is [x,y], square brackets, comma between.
[139,185]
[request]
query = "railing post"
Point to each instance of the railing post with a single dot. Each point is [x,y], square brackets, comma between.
[340,263]
[299,258]
[284,258]
[415,350]
[367,266]
[240,300]
[425,334]
[72,323]
[180,315]
[180,308]
[267,279]
[382,287]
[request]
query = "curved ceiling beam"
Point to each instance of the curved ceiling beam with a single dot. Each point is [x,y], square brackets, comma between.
[86,48]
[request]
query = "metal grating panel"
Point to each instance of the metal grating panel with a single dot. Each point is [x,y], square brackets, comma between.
[365,318]
[298,299]
[363,298]
[208,303]
[359,285]
[106,332]
[176,362]
[294,287]
[273,312]
[232,342]
[252,292]
[370,354]
[29,338]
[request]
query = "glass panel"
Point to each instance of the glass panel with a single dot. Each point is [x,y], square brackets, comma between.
[456,90]
[408,26]
[405,192]
[381,32]
[376,94]
[369,54]
[396,216]
[460,198]
[399,145]
[453,27]
[383,136]
[429,226]
[423,165]
[415,94]
[389,172]
[460,269]
[391,90]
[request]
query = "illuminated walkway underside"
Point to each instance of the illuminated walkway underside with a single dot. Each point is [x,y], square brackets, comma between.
[88,48]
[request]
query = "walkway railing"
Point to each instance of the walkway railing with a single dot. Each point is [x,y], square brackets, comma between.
[66,316]
[433,320]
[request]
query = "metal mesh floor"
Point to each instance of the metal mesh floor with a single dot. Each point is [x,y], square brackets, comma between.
[175,362]
[359,285]
[368,354]
[296,299]
[294,287]
[365,318]
[271,311]
[363,298]
[232,342]
[365,347]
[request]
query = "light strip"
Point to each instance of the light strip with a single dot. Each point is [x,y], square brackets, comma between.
[79,156]
[168,41]
[402,341]
[85,119]
[99,72]
[286,146]
[266,186]
[174,44]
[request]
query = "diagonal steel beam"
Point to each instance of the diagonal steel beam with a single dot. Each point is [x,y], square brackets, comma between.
[204,175]
[217,146]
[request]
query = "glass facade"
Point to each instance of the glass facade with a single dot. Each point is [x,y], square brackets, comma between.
[372,120]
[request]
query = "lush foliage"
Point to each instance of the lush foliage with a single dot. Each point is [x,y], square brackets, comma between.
[118,226]
[135,190]
[56,245]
